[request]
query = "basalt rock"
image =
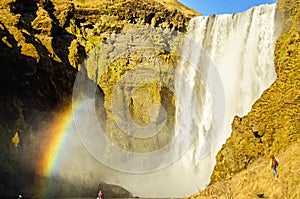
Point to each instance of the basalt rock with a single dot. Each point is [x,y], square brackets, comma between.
[42,46]
[273,123]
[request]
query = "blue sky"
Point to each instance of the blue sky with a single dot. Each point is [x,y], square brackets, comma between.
[208,7]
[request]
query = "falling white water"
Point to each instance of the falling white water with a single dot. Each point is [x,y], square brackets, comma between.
[227,62]
[240,47]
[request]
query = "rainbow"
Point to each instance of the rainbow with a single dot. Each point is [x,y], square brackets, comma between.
[57,133]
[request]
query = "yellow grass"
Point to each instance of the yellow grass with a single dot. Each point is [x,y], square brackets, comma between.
[174,4]
[258,179]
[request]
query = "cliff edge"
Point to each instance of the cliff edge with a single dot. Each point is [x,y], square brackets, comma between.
[42,46]
[272,127]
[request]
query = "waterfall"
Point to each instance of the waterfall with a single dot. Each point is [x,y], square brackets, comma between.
[226,64]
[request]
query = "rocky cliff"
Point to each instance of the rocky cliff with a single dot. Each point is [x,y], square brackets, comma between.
[273,123]
[44,42]
[271,127]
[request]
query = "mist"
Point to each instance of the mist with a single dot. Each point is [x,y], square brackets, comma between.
[229,54]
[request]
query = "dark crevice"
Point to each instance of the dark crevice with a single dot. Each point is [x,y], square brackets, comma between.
[149,18]
[257,135]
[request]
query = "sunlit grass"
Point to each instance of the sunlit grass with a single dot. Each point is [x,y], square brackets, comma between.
[258,179]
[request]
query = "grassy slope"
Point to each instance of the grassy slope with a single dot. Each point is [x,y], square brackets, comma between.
[174,4]
[168,4]
[258,179]
[242,169]
[274,122]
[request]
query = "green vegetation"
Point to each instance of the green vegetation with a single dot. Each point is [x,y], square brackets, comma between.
[42,46]
[42,49]
[272,127]
[257,179]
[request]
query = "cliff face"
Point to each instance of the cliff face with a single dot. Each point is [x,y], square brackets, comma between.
[36,80]
[273,123]
[42,46]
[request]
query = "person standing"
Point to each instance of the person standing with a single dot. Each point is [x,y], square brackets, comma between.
[100,195]
[274,165]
